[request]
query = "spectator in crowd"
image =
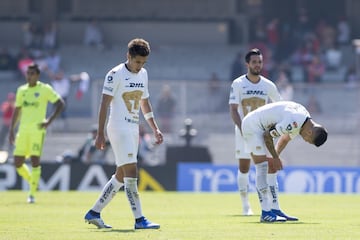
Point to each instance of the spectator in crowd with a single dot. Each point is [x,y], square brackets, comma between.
[333,57]
[304,54]
[270,64]
[7,61]
[286,43]
[302,26]
[7,109]
[326,33]
[32,34]
[83,79]
[53,61]
[28,34]
[315,70]
[49,40]
[215,96]
[259,30]
[89,154]
[166,109]
[61,84]
[93,35]
[273,34]
[343,31]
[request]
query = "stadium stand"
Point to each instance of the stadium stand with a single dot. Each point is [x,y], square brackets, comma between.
[190,42]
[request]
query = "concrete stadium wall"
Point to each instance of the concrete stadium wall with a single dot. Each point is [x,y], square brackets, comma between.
[115,9]
[14,8]
[121,32]
[160,32]
[12,34]
[155,9]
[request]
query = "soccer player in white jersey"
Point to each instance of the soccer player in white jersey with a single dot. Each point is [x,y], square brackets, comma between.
[283,120]
[125,91]
[248,92]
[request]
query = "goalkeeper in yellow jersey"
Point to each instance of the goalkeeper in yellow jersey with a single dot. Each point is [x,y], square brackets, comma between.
[31,104]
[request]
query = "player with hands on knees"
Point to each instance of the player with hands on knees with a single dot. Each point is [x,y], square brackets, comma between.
[283,121]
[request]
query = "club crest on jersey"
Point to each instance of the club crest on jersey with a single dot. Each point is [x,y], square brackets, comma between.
[295,124]
[36,94]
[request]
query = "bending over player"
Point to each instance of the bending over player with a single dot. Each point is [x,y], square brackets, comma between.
[283,120]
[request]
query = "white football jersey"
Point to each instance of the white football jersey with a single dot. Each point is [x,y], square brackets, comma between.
[127,89]
[249,96]
[280,118]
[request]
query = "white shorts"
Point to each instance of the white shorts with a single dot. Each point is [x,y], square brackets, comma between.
[124,143]
[254,138]
[240,152]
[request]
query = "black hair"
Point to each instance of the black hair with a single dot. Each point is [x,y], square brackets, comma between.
[34,66]
[320,136]
[253,51]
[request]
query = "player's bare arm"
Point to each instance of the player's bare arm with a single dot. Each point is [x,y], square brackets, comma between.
[100,140]
[269,142]
[235,115]
[59,106]
[146,109]
[282,143]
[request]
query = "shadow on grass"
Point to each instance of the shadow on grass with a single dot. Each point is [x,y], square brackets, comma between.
[284,223]
[244,216]
[258,222]
[103,230]
[120,230]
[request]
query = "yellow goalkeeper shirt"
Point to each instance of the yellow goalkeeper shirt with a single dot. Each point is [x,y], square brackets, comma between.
[33,102]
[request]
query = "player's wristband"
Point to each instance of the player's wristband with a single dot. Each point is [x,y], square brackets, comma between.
[148,115]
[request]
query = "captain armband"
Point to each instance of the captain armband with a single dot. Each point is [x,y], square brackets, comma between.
[273,132]
[148,115]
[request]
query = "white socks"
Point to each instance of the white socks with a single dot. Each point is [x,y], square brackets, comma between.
[108,192]
[266,185]
[243,181]
[274,190]
[261,184]
[132,194]
[243,185]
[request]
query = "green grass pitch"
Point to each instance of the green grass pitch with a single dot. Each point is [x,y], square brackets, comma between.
[59,215]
